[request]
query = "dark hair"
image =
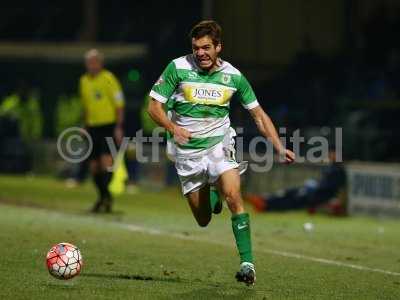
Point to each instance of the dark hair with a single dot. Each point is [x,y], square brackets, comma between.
[207,27]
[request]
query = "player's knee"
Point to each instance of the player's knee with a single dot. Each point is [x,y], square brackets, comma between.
[236,207]
[232,195]
[234,201]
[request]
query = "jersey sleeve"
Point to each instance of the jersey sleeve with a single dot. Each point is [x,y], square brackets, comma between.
[166,84]
[246,93]
[116,91]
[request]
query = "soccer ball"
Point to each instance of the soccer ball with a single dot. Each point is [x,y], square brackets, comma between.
[64,261]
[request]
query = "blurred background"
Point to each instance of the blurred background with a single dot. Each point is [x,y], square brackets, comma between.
[314,65]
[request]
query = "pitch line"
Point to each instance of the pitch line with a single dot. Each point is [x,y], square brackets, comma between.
[151,231]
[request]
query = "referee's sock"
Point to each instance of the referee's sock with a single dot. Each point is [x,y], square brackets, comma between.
[98,181]
[106,176]
[108,198]
[102,180]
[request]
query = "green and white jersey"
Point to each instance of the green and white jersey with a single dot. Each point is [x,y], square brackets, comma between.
[199,100]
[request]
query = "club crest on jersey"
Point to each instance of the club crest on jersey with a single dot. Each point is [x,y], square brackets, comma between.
[192,75]
[226,78]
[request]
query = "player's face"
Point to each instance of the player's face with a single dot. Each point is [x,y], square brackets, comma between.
[93,65]
[205,52]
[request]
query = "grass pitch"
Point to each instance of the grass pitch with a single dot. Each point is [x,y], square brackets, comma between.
[151,248]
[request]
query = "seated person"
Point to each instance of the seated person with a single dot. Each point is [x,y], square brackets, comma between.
[311,196]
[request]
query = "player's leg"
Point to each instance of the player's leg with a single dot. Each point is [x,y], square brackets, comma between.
[229,186]
[215,200]
[229,149]
[94,167]
[199,203]
[194,181]
[106,162]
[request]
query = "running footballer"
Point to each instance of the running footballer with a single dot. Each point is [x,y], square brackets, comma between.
[198,88]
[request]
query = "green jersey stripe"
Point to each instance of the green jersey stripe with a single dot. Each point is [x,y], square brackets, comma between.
[202,143]
[200,111]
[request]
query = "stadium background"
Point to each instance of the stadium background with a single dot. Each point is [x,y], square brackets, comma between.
[314,66]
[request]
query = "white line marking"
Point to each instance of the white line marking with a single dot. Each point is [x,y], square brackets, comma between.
[329,262]
[151,231]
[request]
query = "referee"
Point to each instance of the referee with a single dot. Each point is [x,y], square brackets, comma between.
[103,104]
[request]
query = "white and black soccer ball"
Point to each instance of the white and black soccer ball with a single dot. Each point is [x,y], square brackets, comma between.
[64,261]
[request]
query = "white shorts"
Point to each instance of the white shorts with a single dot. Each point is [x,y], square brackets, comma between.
[196,172]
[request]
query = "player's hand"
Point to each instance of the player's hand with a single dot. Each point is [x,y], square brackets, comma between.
[181,135]
[287,156]
[118,134]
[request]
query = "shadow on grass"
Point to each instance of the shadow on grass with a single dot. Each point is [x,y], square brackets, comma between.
[132,277]
[209,290]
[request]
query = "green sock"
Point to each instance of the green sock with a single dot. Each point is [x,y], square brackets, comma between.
[214,197]
[241,231]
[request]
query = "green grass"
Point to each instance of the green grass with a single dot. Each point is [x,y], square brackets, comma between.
[151,248]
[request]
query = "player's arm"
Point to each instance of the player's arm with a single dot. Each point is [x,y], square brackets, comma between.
[119,129]
[158,114]
[83,102]
[119,104]
[263,121]
[268,130]
[119,110]
[160,92]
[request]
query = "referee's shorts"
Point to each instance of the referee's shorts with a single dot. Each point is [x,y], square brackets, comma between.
[99,135]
